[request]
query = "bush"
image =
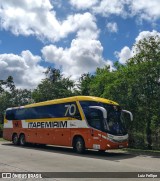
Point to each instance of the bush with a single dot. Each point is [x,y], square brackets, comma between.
[156,140]
[137,140]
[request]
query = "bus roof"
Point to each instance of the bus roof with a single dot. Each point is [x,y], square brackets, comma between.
[74,98]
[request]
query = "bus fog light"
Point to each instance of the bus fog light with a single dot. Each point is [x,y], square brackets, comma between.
[109,145]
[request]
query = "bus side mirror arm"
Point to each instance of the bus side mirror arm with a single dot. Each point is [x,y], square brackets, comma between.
[128,112]
[101,109]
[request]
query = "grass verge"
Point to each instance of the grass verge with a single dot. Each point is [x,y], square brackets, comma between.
[1,139]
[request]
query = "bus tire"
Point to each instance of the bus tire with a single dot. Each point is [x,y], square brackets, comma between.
[22,140]
[15,139]
[79,145]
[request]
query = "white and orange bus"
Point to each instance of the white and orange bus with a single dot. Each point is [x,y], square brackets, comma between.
[81,122]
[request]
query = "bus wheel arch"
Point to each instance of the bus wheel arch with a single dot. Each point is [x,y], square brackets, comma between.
[22,139]
[78,144]
[15,139]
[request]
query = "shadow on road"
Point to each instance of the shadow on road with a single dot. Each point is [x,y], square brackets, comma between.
[113,155]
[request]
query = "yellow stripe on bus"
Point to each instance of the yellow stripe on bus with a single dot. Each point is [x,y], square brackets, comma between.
[72,99]
[5,121]
[80,110]
[51,119]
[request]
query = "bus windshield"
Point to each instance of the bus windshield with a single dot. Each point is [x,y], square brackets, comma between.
[115,122]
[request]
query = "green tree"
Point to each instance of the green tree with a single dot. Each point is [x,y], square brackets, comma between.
[7,84]
[84,84]
[135,86]
[146,63]
[54,86]
[21,97]
[10,96]
[6,88]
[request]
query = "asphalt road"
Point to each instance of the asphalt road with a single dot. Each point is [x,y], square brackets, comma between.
[57,159]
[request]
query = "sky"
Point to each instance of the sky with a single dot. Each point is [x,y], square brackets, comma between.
[75,36]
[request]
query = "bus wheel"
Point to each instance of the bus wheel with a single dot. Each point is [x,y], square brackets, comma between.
[22,140]
[79,145]
[15,139]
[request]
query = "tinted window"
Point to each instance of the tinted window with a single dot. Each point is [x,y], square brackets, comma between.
[50,111]
[94,118]
[114,118]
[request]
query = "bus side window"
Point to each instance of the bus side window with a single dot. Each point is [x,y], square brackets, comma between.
[10,115]
[94,118]
[71,110]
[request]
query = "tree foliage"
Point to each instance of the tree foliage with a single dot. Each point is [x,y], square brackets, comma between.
[54,86]
[10,96]
[136,86]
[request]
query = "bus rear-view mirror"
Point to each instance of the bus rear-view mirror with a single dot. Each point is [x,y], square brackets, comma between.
[130,114]
[101,109]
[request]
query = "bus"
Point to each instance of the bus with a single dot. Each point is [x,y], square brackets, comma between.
[80,122]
